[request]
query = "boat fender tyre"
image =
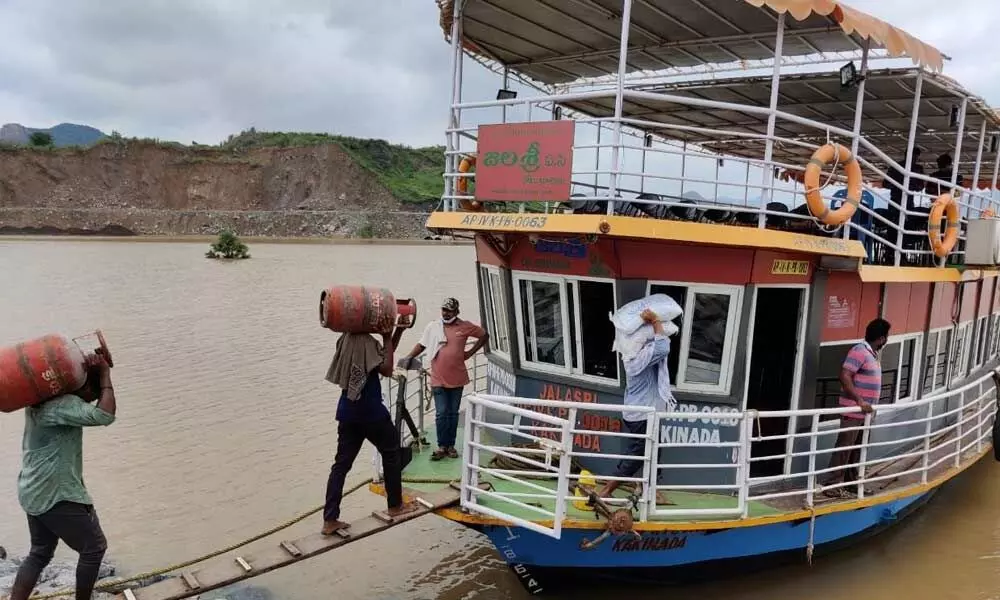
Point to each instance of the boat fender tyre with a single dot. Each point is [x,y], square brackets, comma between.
[462,185]
[944,206]
[823,156]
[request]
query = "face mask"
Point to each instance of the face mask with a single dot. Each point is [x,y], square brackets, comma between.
[448,321]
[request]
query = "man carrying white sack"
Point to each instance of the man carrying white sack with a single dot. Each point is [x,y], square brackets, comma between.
[647,385]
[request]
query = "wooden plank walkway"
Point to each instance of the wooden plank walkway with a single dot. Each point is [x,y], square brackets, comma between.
[221,572]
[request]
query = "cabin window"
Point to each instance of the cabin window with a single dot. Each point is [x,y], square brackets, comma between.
[550,316]
[900,365]
[994,341]
[963,342]
[979,354]
[495,308]
[702,352]
[936,360]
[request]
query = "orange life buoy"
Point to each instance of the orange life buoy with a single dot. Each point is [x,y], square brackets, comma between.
[988,214]
[944,206]
[462,185]
[822,157]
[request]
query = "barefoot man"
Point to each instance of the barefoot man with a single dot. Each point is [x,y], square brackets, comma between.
[361,415]
[647,385]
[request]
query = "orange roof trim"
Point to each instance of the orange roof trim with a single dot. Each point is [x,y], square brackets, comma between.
[896,41]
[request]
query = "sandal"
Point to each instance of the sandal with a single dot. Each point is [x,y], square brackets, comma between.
[439,454]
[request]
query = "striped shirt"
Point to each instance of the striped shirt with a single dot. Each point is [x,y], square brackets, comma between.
[866,373]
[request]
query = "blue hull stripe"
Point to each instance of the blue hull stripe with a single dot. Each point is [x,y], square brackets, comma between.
[669,549]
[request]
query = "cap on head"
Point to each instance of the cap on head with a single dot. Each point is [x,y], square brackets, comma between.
[450,304]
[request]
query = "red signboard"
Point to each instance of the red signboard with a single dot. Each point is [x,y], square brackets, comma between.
[525,162]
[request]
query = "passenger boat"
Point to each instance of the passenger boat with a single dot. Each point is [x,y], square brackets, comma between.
[706,149]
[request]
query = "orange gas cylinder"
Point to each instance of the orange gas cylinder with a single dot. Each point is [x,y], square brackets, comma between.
[39,369]
[360,309]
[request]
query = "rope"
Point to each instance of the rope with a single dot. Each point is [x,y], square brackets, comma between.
[188,563]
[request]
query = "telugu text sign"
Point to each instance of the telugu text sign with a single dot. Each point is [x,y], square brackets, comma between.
[525,162]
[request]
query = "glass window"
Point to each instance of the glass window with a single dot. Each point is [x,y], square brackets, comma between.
[551,314]
[495,303]
[941,360]
[679,294]
[702,352]
[960,367]
[709,320]
[981,335]
[907,370]
[930,362]
[596,300]
[543,323]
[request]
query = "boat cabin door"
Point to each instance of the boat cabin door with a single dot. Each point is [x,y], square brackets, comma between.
[775,365]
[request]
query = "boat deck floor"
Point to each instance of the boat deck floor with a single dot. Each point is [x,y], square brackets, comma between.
[892,476]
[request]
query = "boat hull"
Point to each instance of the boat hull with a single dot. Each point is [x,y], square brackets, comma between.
[544,564]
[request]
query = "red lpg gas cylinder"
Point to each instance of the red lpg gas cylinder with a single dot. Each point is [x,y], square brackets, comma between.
[360,309]
[43,368]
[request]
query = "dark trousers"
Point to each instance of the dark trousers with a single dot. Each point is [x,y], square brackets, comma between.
[845,456]
[636,447]
[76,525]
[446,405]
[350,437]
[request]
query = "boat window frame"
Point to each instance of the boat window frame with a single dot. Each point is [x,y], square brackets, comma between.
[979,349]
[937,386]
[727,369]
[994,341]
[492,326]
[916,365]
[961,343]
[567,369]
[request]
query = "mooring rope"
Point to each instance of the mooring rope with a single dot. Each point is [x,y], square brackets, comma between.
[177,566]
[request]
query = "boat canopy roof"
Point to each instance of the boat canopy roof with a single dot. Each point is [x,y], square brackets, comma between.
[888,104]
[559,41]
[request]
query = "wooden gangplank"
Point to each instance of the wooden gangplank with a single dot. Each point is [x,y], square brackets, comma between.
[221,572]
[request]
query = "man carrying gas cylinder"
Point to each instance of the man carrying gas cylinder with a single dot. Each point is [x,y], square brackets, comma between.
[50,486]
[357,365]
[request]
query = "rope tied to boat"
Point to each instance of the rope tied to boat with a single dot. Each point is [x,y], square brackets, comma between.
[112,585]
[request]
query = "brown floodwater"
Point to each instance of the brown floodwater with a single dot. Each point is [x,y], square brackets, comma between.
[226,428]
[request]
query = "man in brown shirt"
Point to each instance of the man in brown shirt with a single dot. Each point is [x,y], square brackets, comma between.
[445,341]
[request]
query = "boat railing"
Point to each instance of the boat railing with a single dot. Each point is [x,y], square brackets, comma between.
[418,399]
[893,231]
[537,457]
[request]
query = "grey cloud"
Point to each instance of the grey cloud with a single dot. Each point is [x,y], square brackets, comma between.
[201,69]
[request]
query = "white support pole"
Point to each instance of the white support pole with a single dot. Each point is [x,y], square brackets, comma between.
[619,102]
[642,179]
[914,115]
[957,156]
[506,82]
[597,157]
[996,171]
[767,180]
[455,113]
[974,187]
[859,104]
[684,155]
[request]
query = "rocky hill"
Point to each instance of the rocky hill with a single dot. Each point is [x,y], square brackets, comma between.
[63,134]
[259,184]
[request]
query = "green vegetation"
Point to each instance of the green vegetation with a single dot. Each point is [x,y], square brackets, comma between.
[413,175]
[410,174]
[228,246]
[40,139]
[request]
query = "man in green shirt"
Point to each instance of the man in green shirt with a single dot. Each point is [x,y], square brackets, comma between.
[50,486]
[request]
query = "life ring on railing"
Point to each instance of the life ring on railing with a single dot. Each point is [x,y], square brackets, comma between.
[988,214]
[944,206]
[814,169]
[462,185]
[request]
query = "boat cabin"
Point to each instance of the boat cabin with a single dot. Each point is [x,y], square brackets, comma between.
[653,146]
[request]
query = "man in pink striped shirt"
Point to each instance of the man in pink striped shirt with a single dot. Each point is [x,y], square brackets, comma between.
[861,386]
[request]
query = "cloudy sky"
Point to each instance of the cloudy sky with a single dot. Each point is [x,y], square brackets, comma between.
[201,69]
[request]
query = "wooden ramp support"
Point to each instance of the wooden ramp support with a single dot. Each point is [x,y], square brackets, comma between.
[224,571]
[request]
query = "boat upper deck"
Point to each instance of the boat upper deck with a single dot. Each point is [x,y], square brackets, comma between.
[658,133]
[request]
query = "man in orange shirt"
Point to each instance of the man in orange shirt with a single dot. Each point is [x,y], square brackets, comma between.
[445,341]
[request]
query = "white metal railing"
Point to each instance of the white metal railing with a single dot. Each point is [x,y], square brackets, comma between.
[892,232]
[899,445]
